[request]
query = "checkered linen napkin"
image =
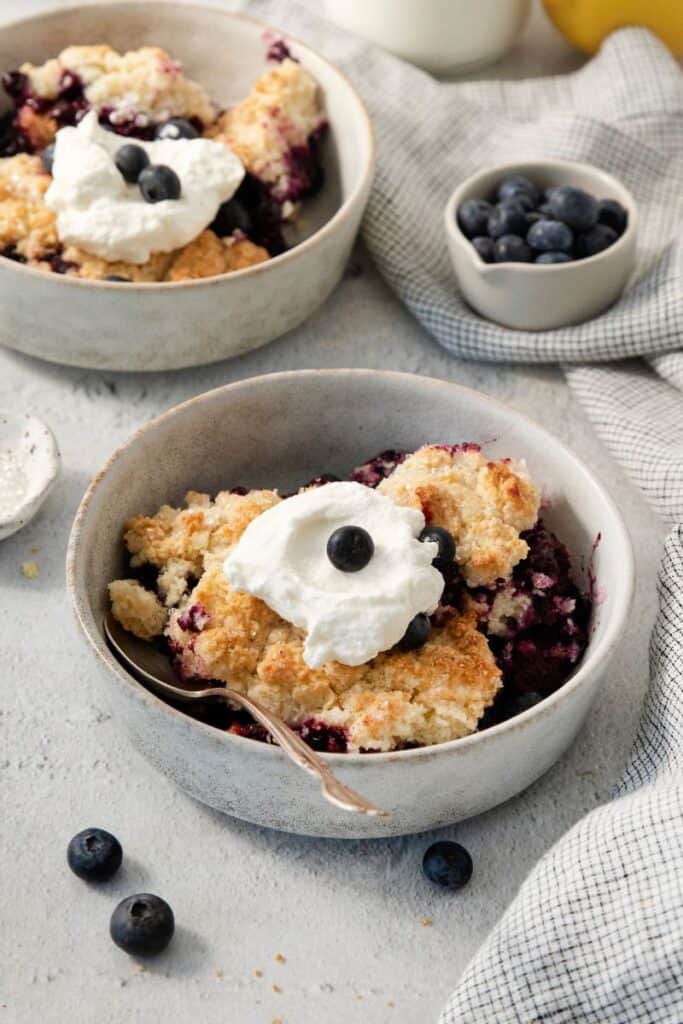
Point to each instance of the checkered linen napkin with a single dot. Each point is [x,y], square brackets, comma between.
[595,934]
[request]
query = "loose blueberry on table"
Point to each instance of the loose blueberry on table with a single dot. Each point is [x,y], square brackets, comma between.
[94,855]
[447,864]
[142,925]
[520,223]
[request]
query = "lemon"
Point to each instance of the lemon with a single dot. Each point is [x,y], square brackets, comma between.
[585,23]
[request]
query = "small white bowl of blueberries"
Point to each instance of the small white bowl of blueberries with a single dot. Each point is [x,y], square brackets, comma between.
[541,244]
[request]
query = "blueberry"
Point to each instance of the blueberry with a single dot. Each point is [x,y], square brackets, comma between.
[447,864]
[484,247]
[553,257]
[94,855]
[131,160]
[550,236]
[533,216]
[117,277]
[575,207]
[158,182]
[231,216]
[524,701]
[524,201]
[507,219]
[473,216]
[516,185]
[176,128]
[512,249]
[545,211]
[417,633]
[350,548]
[613,214]
[142,925]
[446,545]
[48,157]
[591,242]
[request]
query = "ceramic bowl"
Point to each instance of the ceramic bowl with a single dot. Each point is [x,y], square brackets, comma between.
[164,326]
[540,297]
[29,466]
[331,420]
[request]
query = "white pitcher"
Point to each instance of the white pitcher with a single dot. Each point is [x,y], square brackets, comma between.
[442,36]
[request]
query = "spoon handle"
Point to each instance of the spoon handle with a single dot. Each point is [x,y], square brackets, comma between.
[300,752]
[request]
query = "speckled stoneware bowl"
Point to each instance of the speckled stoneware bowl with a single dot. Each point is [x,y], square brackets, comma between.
[107,326]
[277,431]
[532,296]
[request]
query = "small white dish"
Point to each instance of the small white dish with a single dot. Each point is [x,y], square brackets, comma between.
[541,297]
[29,466]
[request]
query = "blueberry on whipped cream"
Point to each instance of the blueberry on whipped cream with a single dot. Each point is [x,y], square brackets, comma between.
[158,182]
[348,616]
[131,160]
[101,211]
[350,548]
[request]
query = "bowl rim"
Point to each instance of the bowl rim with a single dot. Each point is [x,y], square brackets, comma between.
[592,663]
[455,233]
[324,230]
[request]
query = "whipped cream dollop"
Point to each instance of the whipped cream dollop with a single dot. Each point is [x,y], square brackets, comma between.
[103,214]
[349,616]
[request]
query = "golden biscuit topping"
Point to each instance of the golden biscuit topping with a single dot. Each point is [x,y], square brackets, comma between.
[485,505]
[146,83]
[424,696]
[282,112]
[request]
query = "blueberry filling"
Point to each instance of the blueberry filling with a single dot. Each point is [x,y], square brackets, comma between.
[66,108]
[279,51]
[176,128]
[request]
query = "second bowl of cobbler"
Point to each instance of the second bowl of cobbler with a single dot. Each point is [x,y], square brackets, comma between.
[177,184]
[421,582]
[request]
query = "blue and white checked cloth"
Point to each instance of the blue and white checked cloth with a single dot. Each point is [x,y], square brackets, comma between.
[595,934]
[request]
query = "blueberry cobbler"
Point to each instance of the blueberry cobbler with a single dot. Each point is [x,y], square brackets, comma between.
[118,167]
[415,603]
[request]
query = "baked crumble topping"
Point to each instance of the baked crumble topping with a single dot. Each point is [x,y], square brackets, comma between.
[484,505]
[491,643]
[276,132]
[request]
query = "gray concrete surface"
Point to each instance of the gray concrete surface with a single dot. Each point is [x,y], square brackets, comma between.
[350,919]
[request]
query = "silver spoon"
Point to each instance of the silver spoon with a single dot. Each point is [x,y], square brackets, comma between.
[152,667]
